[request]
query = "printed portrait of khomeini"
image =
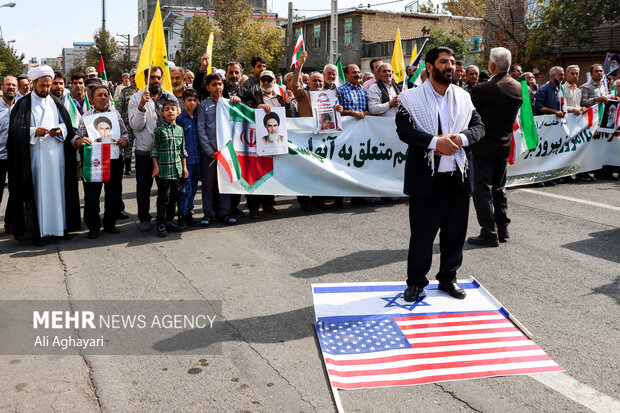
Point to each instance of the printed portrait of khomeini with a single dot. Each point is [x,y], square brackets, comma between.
[272,123]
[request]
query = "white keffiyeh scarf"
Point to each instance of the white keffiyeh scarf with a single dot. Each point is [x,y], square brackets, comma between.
[422,107]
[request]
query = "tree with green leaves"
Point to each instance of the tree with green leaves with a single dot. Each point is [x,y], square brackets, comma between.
[466,8]
[194,39]
[104,45]
[10,63]
[455,40]
[232,18]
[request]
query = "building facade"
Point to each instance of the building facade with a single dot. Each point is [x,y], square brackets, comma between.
[75,56]
[366,34]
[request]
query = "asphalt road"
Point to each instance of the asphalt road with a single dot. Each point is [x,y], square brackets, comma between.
[559,275]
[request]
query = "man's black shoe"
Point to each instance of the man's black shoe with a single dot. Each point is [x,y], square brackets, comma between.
[93,234]
[38,242]
[122,215]
[453,289]
[112,230]
[483,241]
[503,235]
[412,293]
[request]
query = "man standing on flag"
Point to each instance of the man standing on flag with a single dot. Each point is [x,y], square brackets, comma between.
[383,95]
[43,193]
[439,122]
[145,114]
[497,101]
[113,188]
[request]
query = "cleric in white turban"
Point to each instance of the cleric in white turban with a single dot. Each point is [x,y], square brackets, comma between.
[43,194]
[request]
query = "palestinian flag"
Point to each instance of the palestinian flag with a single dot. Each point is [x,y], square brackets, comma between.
[96,162]
[524,136]
[227,157]
[341,80]
[299,47]
[74,114]
[415,77]
[101,70]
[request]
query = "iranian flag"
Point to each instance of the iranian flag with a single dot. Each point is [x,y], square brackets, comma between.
[299,47]
[524,136]
[74,114]
[96,162]
[280,90]
[562,95]
[101,70]
[227,157]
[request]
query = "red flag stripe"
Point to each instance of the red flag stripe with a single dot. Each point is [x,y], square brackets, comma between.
[446,377]
[518,336]
[438,366]
[417,356]
[462,332]
[105,167]
[451,324]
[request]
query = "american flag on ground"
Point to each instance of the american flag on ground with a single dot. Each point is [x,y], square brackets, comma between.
[430,345]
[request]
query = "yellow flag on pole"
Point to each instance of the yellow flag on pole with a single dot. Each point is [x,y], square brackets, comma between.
[154,53]
[398,60]
[414,54]
[210,52]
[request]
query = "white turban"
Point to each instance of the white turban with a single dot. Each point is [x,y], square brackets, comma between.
[40,71]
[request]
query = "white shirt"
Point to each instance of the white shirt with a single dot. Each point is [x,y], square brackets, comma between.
[375,107]
[447,163]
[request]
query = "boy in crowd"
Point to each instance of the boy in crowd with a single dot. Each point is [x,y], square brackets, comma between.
[208,148]
[188,120]
[169,164]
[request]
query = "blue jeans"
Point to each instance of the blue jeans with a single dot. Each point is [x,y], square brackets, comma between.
[188,189]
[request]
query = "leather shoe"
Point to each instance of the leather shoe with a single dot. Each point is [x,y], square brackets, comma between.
[93,234]
[503,235]
[412,293]
[453,289]
[122,215]
[112,230]
[483,241]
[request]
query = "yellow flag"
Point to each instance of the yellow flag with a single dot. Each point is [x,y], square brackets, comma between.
[210,52]
[398,60]
[154,53]
[414,53]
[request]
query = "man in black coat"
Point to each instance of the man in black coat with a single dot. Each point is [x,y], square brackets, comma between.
[498,102]
[22,206]
[439,123]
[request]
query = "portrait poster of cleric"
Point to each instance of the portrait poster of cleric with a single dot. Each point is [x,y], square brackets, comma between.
[609,121]
[324,117]
[271,129]
[105,129]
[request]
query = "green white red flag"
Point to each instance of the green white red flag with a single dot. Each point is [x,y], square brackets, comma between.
[74,114]
[524,136]
[96,162]
[101,70]
[299,47]
[341,80]
[227,157]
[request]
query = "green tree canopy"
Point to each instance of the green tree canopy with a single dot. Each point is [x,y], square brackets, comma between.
[10,63]
[106,46]
[194,39]
[455,40]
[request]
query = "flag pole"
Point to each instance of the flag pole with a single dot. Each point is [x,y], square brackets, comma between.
[512,318]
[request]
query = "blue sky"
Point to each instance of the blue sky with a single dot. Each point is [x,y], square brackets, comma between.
[41,28]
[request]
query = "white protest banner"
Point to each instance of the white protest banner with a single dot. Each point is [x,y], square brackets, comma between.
[367,159]
[566,146]
[325,117]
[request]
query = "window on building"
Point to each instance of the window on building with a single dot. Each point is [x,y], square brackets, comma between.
[316,38]
[348,32]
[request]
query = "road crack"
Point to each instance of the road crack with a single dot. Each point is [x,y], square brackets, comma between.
[455,397]
[91,378]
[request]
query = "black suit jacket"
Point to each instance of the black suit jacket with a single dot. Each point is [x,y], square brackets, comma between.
[497,101]
[419,181]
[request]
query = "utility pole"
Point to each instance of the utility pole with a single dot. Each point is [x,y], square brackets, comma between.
[289,33]
[126,42]
[103,14]
[333,34]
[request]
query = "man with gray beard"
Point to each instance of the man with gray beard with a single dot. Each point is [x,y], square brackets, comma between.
[178,86]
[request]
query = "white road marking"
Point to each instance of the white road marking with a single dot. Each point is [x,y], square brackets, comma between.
[569,198]
[578,392]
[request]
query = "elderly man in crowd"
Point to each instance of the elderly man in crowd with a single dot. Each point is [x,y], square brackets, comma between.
[497,101]
[125,81]
[383,95]
[471,77]
[145,113]
[178,85]
[547,97]
[330,76]
[515,71]
[43,193]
